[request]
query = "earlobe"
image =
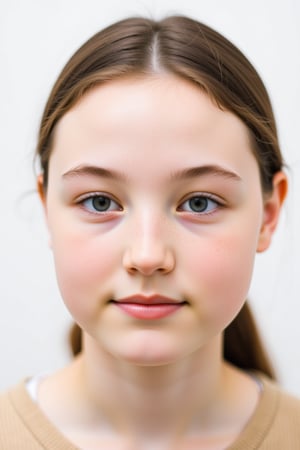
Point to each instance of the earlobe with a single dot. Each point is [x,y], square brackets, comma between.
[272,208]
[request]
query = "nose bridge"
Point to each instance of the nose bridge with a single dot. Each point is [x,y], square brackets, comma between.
[150,224]
[149,249]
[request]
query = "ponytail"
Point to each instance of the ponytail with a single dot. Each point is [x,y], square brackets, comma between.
[75,339]
[242,344]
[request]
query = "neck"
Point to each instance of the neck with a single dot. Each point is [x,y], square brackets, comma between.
[146,398]
[200,395]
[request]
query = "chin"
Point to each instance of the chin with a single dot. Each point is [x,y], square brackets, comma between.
[149,360]
[147,349]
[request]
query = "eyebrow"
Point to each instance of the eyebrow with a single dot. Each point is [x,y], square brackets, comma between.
[191,172]
[210,169]
[94,171]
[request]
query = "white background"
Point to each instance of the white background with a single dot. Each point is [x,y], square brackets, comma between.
[36,39]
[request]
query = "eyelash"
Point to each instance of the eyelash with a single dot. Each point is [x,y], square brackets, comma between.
[203,196]
[92,197]
[208,198]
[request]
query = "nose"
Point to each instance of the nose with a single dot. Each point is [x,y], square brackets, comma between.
[149,250]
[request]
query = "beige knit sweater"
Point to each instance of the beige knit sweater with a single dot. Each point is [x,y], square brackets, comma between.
[275,424]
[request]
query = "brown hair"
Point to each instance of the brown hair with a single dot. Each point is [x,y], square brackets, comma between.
[191,50]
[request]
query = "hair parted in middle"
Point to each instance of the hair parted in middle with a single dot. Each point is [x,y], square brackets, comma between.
[195,52]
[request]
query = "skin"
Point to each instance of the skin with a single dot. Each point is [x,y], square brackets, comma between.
[134,373]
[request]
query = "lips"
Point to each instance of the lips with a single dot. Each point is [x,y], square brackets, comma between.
[148,307]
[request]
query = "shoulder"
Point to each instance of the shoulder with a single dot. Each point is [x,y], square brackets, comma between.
[285,402]
[7,411]
[288,411]
[10,422]
[275,424]
[283,412]
[14,434]
[23,426]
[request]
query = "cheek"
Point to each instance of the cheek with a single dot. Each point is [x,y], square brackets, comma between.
[84,264]
[219,271]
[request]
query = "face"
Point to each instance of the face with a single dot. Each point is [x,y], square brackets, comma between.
[154,193]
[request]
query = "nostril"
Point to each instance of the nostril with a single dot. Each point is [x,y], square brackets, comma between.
[154,260]
[132,269]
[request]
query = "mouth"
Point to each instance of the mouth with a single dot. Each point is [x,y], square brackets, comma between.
[148,307]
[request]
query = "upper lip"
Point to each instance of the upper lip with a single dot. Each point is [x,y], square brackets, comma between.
[154,299]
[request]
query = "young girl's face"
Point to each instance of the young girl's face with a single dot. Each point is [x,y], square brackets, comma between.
[153,191]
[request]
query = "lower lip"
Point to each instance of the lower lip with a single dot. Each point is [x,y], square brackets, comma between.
[149,312]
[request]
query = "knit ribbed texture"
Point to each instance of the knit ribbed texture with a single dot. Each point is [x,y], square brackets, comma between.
[275,425]
[23,426]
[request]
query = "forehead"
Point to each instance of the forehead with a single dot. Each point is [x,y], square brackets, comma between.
[161,117]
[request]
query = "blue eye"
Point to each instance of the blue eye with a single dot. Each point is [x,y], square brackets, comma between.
[201,204]
[100,203]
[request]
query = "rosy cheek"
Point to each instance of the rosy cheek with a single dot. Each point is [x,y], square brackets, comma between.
[84,265]
[221,270]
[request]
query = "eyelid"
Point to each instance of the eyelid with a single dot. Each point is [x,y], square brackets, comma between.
[89,196]
[209,195]
[219,203]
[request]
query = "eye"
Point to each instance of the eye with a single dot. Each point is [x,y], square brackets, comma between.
[201,204]
[100,203]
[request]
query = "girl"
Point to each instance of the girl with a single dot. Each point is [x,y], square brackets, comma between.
[161,178]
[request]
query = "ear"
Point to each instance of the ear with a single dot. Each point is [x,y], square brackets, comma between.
[272,207]
[41,189]
[42,195]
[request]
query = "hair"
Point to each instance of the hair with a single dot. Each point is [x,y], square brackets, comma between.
[195,52]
